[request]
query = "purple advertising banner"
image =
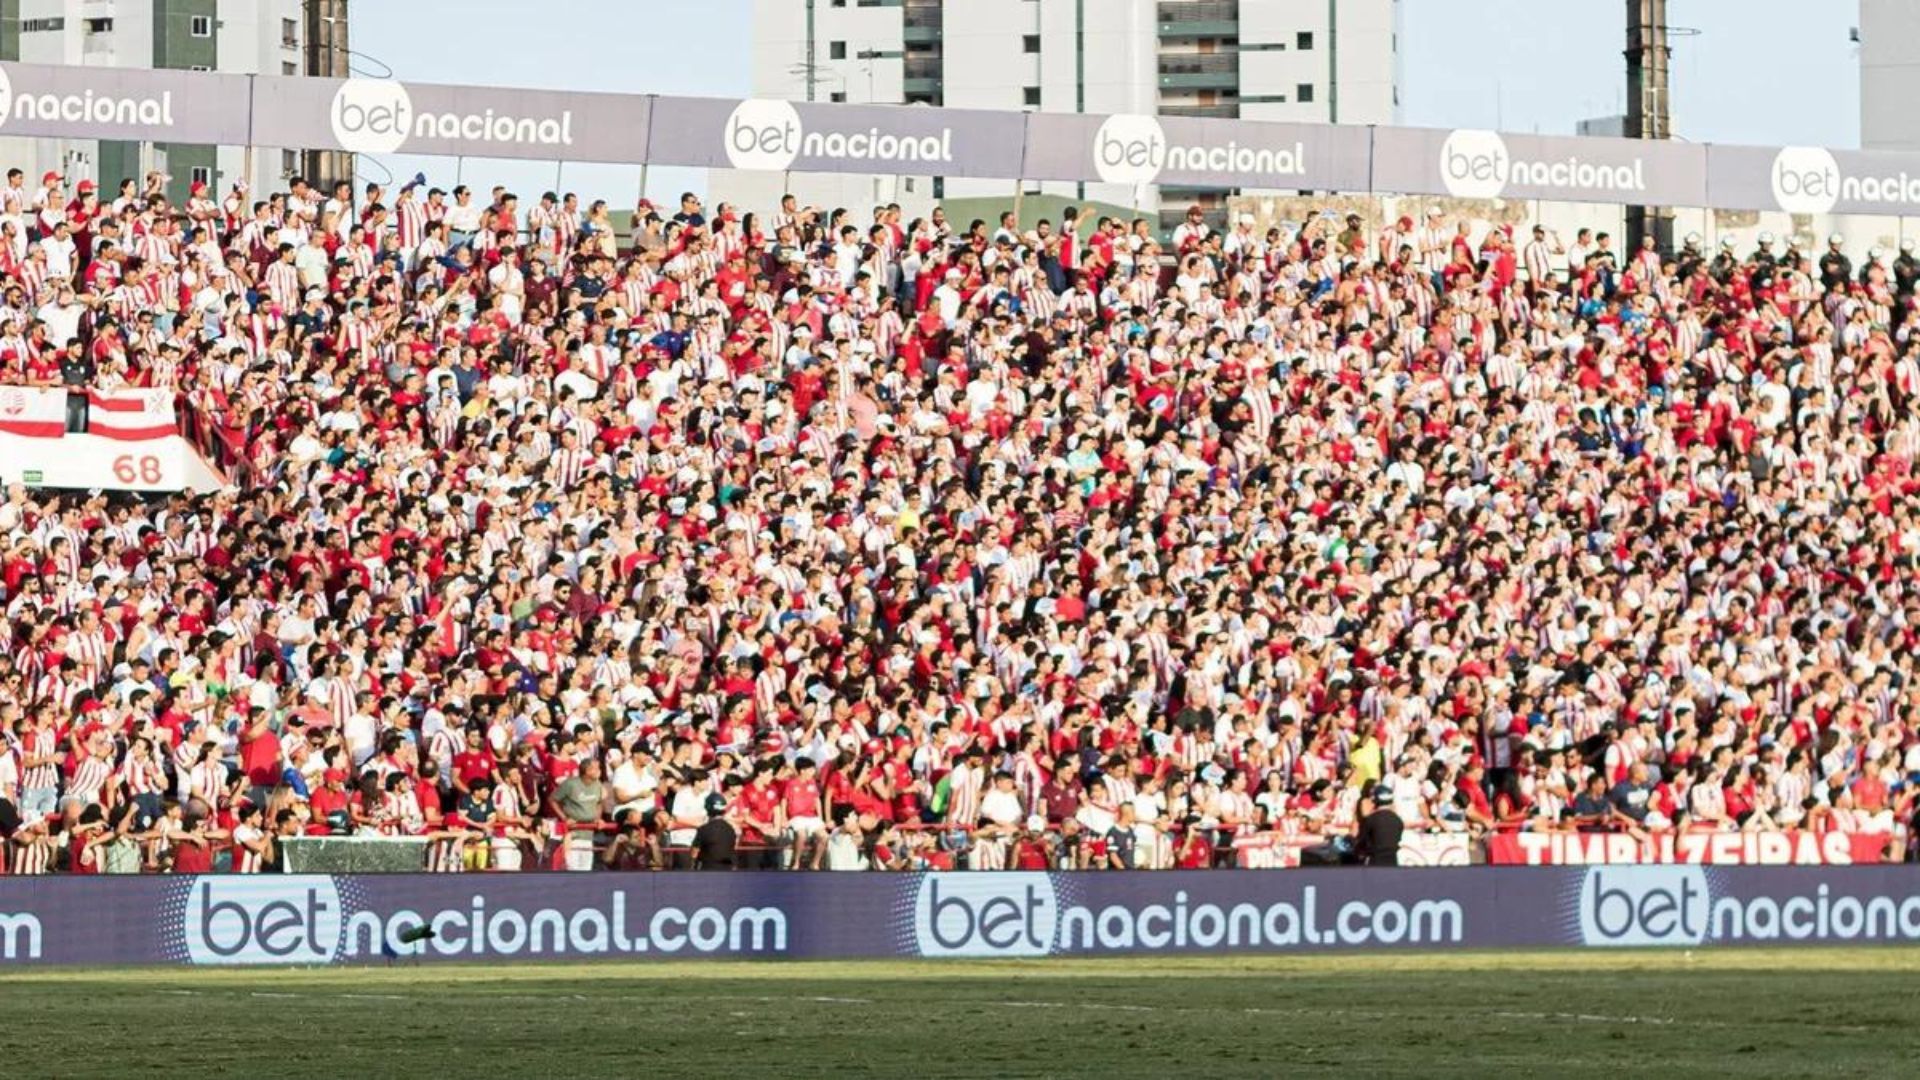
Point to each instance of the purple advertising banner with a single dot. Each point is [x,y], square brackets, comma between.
[124,103]
[385,116]
[321,919]
[1139,149]
[1474,164]
[768,135]
[1813,180]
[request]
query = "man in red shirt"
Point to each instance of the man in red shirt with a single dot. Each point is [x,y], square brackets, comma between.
[806,815]
[474,764]
[329,802]
[259,755]
[762,817]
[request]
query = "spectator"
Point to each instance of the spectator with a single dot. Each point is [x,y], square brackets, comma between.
[1381,830]
[715,840]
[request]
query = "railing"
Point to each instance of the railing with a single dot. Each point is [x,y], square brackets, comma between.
[1216,63]
[1191,11]
[920,67]
[1218,112]
[922,16]
[225,448]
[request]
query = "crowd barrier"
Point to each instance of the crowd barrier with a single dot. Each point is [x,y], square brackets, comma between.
[320,919]
[376,116]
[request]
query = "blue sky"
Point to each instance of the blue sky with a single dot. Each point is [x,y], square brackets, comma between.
[1758,71]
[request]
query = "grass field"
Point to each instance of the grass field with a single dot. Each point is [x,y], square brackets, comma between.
[1784,1013]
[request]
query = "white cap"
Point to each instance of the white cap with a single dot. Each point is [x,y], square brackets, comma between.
[1693,239]
[1765,238]
[1835,239]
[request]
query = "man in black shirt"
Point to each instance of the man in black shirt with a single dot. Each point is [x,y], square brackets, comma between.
[1379,841]
[713,842]
[1906,269]
[76,374]
[1835,267]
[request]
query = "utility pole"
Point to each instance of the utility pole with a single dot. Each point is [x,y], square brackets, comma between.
[1648,114]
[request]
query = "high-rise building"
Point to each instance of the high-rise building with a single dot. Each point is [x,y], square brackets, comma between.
[1299,60]
[254,37]
[1889,37]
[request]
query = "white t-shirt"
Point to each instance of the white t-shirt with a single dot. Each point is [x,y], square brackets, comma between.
[1001,807]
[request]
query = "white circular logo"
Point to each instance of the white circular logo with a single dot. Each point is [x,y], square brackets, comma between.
[1473,163]
[985,914]
[291,919]
[763,134]
[1129,149]
[6,97]
[1644,905]
[1805,179]
[371,116]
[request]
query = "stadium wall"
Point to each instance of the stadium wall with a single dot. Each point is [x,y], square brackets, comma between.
[321,919]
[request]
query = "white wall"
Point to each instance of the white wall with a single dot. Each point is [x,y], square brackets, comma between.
[1358,51]
[1367,61]
[780,47]
[248,42]
[982,59]
[1889,74]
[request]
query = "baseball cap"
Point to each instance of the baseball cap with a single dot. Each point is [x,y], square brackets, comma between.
[50,176]
[716,805]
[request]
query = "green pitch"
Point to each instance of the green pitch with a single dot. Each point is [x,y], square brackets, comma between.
[1783,1013]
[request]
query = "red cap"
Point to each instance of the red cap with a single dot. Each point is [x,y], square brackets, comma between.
[50,176]
[196,186]
[85,185]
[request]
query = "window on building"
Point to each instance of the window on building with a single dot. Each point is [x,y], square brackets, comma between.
[1303,93]
[200,25]
[839,3]
[200,174]
[289,162]
[1031,96]
[1030,43]
[289,34]
[99,26]
[836,50]
[31,26]
[837,95]
[919,98]
[1303,40]
[288,67]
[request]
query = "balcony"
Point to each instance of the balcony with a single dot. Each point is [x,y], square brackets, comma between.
[1200,71]
[1199,18]
[1205,112]
[920,74]
[920,23]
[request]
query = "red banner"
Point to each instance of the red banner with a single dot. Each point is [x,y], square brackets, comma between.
[1795,848]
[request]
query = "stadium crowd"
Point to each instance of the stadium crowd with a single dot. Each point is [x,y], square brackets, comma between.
[901,543]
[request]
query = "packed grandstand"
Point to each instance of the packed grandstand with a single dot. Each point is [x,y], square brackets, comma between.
[922,543]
